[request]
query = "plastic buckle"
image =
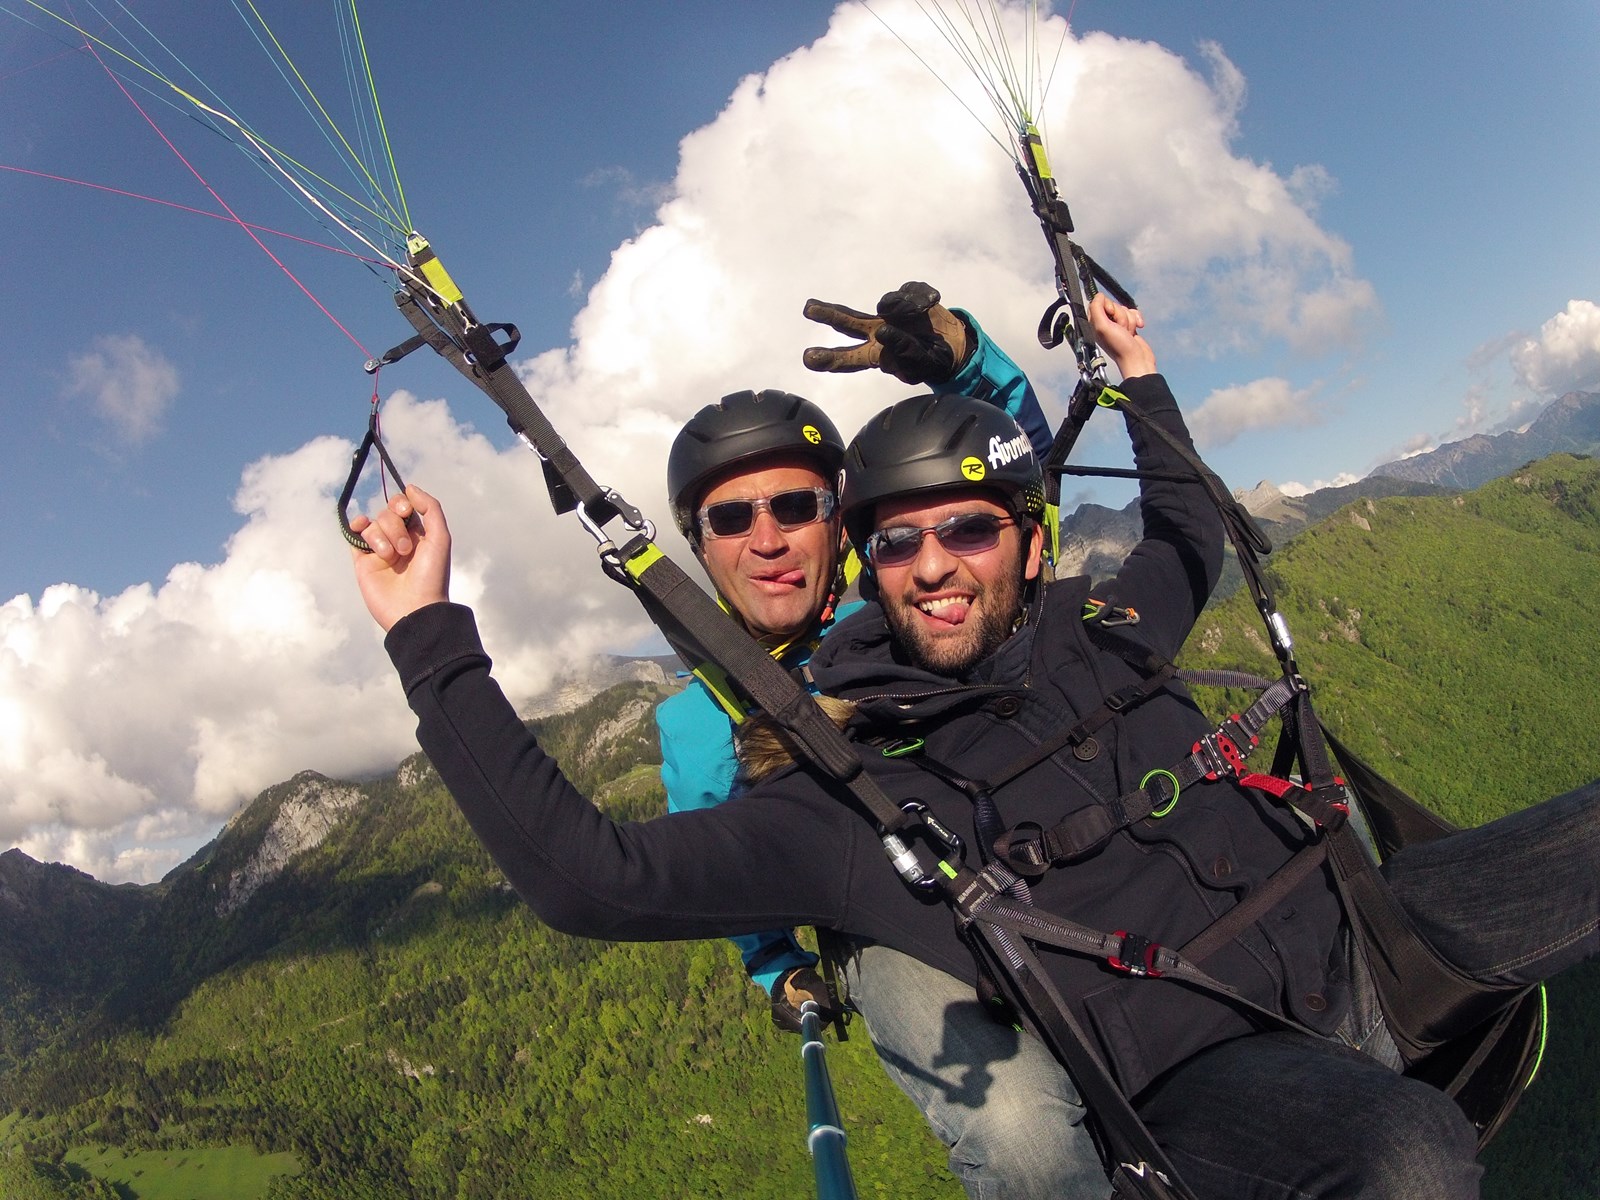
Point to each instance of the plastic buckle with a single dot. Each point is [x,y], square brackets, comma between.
[1334,812]
[1136,955]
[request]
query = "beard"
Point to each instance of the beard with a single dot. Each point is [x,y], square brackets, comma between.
[990,620]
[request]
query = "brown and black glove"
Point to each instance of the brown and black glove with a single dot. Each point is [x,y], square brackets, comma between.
[914,337]
[792,989]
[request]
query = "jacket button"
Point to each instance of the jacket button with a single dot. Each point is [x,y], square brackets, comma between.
[1085,750]
[1316,1002]
[1007,707]
[1222,868]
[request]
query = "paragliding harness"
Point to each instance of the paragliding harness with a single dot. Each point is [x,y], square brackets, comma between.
[1425,1001]
[1479,1042]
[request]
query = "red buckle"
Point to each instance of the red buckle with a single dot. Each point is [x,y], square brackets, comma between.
[1136,955]
[1220,754]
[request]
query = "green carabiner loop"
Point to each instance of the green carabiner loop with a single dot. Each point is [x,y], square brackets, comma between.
[1176,788]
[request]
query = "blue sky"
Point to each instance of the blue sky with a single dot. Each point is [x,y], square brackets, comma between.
[1357,230]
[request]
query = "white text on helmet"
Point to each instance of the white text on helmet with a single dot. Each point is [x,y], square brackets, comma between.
[1001,453]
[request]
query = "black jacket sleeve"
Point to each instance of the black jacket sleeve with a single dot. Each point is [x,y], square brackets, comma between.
[1169,575]
[757,863]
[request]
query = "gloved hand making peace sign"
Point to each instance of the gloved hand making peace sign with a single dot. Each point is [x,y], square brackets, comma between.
[914,337]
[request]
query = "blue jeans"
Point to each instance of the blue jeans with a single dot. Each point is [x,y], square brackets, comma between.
[1516,900]
[995,1096]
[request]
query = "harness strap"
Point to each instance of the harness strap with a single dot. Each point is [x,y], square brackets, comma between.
[1031,851]
[1126,1145]
[980,898]
[1257,904]
[473,350]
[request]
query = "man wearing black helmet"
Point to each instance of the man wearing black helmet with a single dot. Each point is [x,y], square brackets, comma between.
[953,683]
[750,481]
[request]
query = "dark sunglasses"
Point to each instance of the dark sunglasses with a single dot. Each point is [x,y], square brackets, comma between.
[968,533]
[735,518]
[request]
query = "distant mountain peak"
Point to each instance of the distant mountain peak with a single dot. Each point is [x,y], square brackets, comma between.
[576,687]
[1268,503]
[309,807]
[25,879]
[1569,425]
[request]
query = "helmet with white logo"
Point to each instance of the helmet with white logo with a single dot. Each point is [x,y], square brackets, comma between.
[938,441]
[739,428]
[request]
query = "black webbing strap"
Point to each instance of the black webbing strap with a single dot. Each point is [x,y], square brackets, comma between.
[1011,966]
[1257,904]
[474,352]
[1127,1146]
[1030,850]
[692,619]
[981,897]
[1137,1165]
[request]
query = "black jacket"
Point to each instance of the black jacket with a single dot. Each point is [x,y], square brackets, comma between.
[792,851]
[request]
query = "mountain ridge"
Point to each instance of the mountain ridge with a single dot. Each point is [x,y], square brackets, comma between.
[1569,425]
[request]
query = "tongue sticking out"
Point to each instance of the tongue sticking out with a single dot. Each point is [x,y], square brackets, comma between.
[796,578]
[946,612]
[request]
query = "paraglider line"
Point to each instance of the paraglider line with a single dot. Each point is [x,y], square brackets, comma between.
[199,212]
[244,225]
[42,62]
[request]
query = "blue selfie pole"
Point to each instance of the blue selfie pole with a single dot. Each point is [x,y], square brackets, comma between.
[826,1139]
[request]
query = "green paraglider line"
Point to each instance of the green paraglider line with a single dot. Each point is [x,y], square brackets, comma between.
[265,249]
[263,147]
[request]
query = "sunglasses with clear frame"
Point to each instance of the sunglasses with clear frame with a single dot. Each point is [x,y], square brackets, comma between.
[791,510]
[961,535]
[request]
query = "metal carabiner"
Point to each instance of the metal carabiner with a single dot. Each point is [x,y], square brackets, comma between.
[905,860]
[632,520]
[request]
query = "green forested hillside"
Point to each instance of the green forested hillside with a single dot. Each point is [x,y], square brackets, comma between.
[387,1013]
[1454,643]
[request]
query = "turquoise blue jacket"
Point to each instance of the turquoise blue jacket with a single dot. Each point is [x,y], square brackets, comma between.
[697,757]
[697,768]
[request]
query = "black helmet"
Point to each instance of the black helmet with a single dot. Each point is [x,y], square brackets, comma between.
[743,426]
[938,441]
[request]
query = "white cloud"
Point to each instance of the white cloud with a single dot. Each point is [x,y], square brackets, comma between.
[130,384]
[1565,356]
[131,725]
[1295,488]
[1263,404]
